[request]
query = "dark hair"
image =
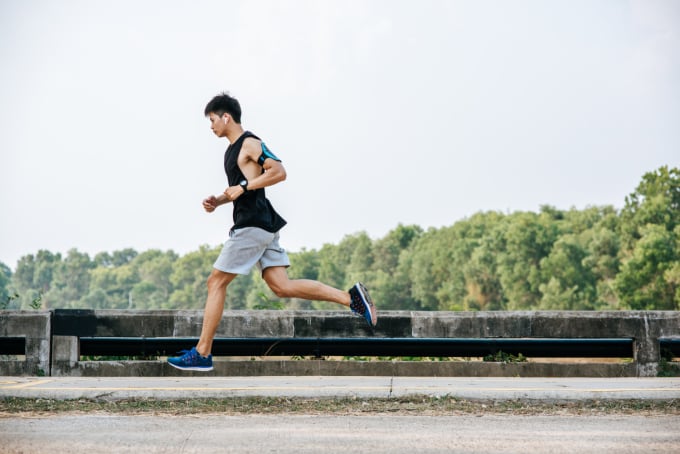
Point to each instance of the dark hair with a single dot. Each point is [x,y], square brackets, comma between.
[223,103]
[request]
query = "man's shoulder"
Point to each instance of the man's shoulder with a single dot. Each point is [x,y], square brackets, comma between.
[250,147]
[251,141]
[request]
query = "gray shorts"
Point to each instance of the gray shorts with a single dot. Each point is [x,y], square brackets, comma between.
[250,246]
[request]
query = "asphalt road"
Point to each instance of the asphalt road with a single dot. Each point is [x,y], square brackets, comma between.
[327,434]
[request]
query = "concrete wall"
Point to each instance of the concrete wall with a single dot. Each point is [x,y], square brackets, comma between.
[35,327]
[52,339]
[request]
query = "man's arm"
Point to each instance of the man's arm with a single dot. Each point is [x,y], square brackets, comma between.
[274,172]
[212,202]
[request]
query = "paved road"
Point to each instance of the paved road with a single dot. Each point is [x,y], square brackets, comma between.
[364,387]
[328,434]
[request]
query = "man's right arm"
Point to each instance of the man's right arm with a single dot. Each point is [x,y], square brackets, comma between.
[213,202]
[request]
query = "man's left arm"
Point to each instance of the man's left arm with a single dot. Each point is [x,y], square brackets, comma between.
[271,172]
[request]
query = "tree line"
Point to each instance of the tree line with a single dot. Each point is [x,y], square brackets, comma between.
[597,258]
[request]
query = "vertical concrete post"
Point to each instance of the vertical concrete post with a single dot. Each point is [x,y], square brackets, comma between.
[653,325]
[65,355]
[35,327]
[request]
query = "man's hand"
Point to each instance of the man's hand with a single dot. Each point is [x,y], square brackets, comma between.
[233,192]
[210,204]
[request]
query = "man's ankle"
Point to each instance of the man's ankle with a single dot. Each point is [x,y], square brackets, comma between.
[202,352]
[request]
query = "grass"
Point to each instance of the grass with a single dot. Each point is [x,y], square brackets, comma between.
[417,405]
[667,366]
[502,357]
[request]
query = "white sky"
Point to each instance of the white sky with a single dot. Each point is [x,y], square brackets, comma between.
[384,112]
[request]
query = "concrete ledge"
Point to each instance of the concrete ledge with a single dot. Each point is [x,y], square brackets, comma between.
[52,337]
[486,389]
[355,368]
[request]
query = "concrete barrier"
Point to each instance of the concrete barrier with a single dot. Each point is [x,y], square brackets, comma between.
[35,328]
[52,340]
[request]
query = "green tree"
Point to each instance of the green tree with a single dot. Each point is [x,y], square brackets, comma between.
[567,283]
[33,277]
[483,287]
[647,277]
[259,295]
[117,258]
[587,246]
[528,238]
[154,288]
[5,279]
[594,258]
[656,201]
[95,299]
[429,267]
[70,280]
[482,281]
[650,252]
[388,250]
[238,291]
[360,266]
[438,262]
[672,274]
[115,284]
[304,265]
[339,264]
[391,283]
[189,276]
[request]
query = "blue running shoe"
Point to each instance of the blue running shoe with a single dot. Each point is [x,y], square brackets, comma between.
[191,360]
[362,304]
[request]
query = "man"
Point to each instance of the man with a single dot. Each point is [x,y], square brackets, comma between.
[254,239]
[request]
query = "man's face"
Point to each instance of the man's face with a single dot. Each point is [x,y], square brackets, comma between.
[219,124]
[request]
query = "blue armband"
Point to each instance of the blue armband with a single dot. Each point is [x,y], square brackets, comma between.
[266,154]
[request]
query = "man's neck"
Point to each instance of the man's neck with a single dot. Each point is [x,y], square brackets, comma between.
[234,133]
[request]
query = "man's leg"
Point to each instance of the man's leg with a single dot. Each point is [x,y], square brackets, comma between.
[357,299]
[199,357]
[214,306]
[277,279]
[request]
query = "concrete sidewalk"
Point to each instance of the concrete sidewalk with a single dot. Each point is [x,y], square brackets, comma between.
[167,388]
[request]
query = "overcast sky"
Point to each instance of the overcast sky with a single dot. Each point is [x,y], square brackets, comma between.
[383,112]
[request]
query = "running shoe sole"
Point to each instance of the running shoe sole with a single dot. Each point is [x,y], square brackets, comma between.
[369,307]
[199,369]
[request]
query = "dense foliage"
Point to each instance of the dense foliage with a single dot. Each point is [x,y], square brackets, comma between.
[597,258]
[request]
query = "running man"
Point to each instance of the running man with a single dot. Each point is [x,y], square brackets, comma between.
[254,238]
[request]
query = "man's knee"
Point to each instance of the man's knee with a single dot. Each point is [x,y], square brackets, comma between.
[280,289]
[218,279]
[278,283]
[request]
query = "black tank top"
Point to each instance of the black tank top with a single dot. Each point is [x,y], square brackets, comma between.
[252,209]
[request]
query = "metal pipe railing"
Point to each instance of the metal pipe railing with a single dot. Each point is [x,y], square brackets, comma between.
[12,345]
[396,347]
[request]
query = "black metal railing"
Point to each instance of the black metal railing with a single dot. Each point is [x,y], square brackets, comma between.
[395,347]
[12,345]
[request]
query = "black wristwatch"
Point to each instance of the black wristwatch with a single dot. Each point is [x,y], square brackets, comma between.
[244,185]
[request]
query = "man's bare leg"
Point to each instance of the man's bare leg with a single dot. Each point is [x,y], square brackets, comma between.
[357,299]
[277,279]
[214,307]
